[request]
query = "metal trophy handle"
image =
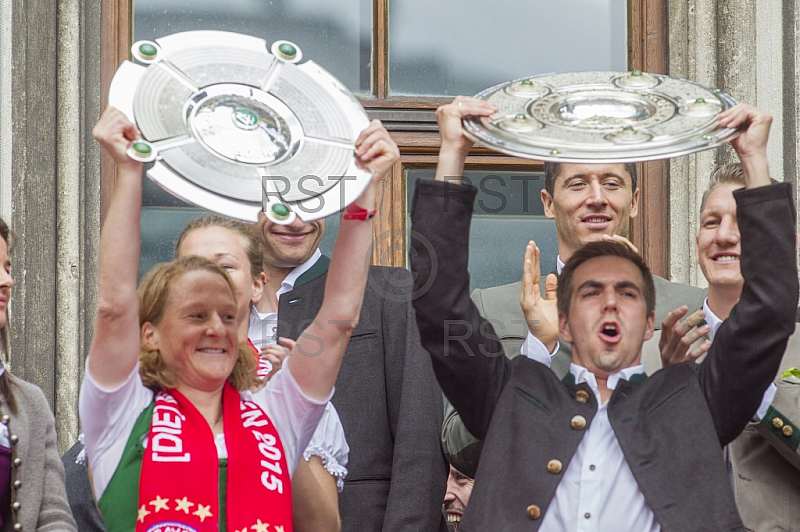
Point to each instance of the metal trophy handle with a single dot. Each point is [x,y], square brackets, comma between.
[237,127]
[583,117]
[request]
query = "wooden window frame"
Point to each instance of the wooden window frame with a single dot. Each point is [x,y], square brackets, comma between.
[412,123]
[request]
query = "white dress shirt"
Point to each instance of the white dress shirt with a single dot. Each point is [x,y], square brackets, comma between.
[598,492]
[264,327]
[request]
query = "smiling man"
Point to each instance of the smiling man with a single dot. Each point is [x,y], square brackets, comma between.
[386,394]
[608,448]
[764,458]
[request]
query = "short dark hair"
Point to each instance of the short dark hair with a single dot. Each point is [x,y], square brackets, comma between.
[594,250]
[551,171]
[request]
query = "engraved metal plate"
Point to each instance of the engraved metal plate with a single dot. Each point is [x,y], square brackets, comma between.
[236,126]
[586,117]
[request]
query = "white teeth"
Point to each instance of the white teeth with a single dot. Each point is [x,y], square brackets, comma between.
[453,518]
[595,220]
[726,258]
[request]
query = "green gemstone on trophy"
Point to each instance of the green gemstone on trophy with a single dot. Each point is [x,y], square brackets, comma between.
[627,129]
[280,211]
[527,82]
[700,100]
[708,138]
[636,73]
[142,149]
[288,50]
[521,117]
[148,51]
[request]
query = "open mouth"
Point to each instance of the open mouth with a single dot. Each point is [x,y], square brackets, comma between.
[454,519]
[610,332]
[721,258]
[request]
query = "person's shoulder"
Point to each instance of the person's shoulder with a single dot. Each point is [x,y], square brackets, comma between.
[29,398]
[671,286]
[502,291]
[498,301]
[21,387]
[389,281]
[671,295]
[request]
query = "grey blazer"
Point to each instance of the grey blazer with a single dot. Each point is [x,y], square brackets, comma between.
[766,457]
[389,403]
[41,492]
[500,306]
[670,426]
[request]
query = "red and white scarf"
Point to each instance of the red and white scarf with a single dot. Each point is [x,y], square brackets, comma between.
[178,489]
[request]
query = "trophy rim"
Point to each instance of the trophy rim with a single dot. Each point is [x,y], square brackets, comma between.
[533,134]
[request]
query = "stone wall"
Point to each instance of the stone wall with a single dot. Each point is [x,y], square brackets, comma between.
[55,196]
[748,48]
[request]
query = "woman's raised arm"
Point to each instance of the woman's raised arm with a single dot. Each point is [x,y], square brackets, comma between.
[313,370]
[115,344]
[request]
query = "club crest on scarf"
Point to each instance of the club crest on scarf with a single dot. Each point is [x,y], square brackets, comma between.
[170,527]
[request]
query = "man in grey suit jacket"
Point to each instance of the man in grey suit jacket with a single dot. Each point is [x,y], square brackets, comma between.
[386,394]
[608,446]
[588,202]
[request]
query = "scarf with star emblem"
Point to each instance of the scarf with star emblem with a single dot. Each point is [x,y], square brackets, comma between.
[178,488]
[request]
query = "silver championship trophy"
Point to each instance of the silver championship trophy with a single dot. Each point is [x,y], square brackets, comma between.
[583,117]
[237,127]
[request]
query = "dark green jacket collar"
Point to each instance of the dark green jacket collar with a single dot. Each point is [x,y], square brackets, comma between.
[319,269]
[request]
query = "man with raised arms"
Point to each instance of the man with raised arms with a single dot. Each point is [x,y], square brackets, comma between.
[608,448]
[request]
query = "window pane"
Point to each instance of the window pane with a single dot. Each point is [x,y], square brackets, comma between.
[336,35]
[451,47]
[508,213]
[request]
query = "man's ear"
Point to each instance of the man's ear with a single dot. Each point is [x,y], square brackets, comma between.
[563,328]
[547,202]
[635,203]
[650,326]
[150,336]
[258,288]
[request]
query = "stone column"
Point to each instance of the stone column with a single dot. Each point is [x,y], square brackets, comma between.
[55,196]
[739,46]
